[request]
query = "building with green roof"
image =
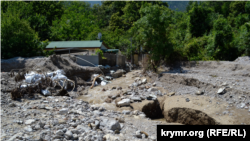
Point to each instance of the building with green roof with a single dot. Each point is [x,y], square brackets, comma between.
[77,45]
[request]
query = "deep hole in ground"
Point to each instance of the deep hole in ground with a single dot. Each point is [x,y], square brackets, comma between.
[186,116]
[189,116]
[153,110]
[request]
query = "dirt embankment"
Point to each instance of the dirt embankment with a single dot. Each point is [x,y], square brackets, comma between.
[55,62]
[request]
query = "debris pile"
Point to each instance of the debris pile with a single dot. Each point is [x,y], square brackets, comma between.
[44,83]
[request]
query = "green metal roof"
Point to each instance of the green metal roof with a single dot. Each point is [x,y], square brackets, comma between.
[110,50]
[75,44]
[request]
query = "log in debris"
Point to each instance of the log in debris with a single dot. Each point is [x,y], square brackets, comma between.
[93,83]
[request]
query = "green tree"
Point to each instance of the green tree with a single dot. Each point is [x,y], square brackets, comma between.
[219,45]
[17,37]
[150,31]
[243,39]
[75,24]
[199,21]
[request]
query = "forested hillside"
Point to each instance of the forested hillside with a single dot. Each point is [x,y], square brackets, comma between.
[204,31]
[174,5]
[178,5]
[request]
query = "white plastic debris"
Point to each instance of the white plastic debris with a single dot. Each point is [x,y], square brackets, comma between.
[59,77]
[46,92]
[96,83]
[59,72]
[103,83]
[33,77]
[49,74]
[108,77]
[23,86]
[112,71]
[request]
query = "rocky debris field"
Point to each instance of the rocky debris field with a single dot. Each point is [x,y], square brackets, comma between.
[128,106]
[64,118]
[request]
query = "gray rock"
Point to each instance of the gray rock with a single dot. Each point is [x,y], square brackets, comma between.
[135,84]
[152,138]
[138,134]
[151,97]
[36,138]
[46,126]
[136,112]
[30,121]
[12,105]
[118,73]
[84,128]
[75,136]
[37,127]
[142,115]
[124,102]
[199,92]
[42,106]
[69,134]
[113,125]
[59,132]
[144,81]
[241,105]
[126,112]
[63,111]
[134,98]
[14,137]
[28,128]
[221,91]
[187,100]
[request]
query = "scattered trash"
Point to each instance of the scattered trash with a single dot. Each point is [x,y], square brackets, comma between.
[108,77]
[38,82]
[46,92]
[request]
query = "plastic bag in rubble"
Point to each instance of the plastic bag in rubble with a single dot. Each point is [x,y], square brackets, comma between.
[103,83]
[59,77]
[59,72]
[46,92]
[33,77]
[50,74]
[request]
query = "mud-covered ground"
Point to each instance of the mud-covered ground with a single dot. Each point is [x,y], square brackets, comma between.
[187,93]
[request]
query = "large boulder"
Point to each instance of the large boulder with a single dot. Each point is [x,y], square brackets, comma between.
[198,111]
[118,73]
